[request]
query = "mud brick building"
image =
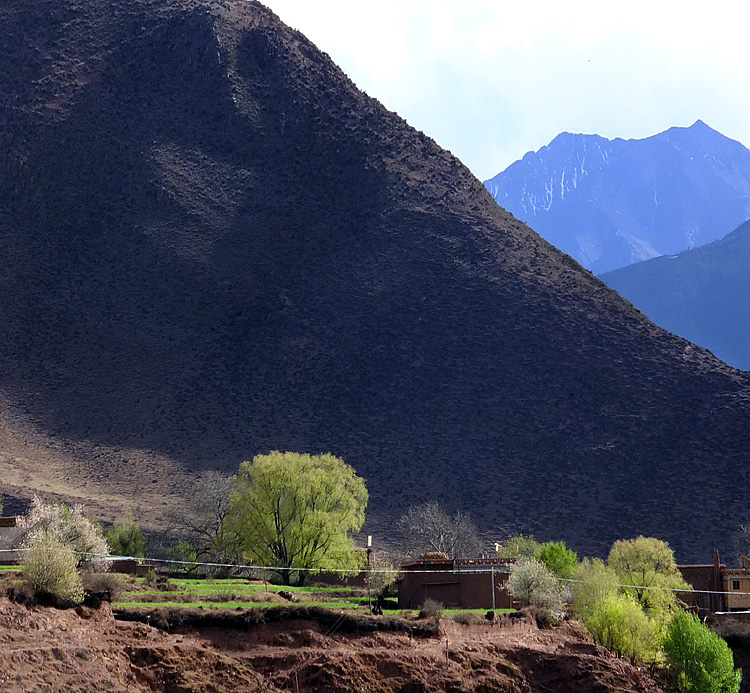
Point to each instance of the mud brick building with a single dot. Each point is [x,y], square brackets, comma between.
[458,583]
[717,588]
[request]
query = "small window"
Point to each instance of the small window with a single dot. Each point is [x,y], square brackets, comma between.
[735,584]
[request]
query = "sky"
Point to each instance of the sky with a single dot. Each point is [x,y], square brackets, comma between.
[491,79]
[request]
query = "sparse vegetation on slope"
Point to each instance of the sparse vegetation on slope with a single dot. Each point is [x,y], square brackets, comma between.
[215,245]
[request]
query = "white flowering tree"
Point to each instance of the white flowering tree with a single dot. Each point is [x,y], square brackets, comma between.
[68,526]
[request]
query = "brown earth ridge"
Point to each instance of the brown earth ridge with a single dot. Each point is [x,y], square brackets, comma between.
[88,650]
[214,244]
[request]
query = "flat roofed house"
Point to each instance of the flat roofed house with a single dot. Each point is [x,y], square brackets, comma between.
[737,586]
[457,583]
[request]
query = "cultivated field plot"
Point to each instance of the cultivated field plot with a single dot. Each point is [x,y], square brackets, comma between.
[239,593]
[232,593]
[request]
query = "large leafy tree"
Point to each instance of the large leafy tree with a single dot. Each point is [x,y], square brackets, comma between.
[646,569]
[293,512]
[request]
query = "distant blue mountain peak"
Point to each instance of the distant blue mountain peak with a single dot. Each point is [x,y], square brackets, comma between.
[610,203]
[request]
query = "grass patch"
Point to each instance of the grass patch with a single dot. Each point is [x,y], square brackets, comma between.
[193,605]
[479,611]
[229,604]
[183,593]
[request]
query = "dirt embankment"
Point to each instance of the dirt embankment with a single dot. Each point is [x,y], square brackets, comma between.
[89,650]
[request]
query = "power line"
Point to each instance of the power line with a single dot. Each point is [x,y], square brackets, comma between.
[487,569]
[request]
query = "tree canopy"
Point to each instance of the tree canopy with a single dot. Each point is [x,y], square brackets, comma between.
[700,658]
[646,568]
[126,538]
[293,512]
[561,560]
[519,546]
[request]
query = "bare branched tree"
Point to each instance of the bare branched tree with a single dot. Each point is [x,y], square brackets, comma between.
[741,540]
[428,527]
[200,520]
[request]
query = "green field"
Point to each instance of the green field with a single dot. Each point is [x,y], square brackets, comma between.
[231,593]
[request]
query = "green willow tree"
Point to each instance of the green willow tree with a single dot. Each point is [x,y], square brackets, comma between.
[701,660]
[293,512]
[646,568]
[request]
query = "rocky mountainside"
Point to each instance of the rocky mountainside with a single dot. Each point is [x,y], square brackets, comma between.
[213,245]
[610,203]
[700,294]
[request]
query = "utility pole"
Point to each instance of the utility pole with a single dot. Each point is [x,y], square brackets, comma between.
[493,587]
[369,552]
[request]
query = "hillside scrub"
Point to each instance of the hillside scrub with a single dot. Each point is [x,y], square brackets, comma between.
[619,623]
[592,582]
[615,619]
[58,541]
[629,606]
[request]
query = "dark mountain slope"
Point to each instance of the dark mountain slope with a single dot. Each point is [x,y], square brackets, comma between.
[700,294]
[215,245]
[610,203]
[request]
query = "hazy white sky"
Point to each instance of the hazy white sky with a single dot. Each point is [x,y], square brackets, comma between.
[493,79]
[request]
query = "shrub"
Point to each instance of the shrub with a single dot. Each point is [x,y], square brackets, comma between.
[467,618]
[619,623]
[49,568]
[532,584]
[560,560]
[100,587]
[431,609]
[383,574]
[70,528]
[702,661]
[125,538]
